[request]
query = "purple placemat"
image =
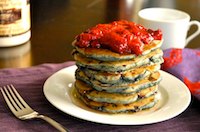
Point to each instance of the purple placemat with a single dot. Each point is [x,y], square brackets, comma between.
[29,83]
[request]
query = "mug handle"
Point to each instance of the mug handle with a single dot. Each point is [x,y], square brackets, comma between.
[197,32]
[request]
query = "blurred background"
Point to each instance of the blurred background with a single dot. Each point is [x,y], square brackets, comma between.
[55,23]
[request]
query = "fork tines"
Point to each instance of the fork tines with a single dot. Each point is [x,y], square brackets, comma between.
[12,98]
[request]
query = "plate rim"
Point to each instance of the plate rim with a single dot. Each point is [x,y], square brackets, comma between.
[73,67]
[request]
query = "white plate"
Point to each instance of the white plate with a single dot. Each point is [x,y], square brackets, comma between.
[174,99]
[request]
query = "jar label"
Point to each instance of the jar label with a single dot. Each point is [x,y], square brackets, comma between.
[14,17]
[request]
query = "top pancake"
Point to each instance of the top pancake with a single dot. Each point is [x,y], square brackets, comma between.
[154,57]
[108,55]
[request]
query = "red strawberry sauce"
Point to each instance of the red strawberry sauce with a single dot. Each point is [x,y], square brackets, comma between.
[122,37]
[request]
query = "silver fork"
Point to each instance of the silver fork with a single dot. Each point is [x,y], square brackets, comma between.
[22,110]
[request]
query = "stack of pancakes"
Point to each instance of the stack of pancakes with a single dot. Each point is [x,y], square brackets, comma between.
[118,67]
[117,83]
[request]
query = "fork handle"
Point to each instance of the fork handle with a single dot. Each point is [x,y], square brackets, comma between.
[53,123]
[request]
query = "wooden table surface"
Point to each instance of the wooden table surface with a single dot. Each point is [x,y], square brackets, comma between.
[55,23]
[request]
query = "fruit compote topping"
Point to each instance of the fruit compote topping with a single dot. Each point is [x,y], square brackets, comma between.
[122,37]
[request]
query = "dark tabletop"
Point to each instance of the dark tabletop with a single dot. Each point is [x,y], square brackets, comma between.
[55,23]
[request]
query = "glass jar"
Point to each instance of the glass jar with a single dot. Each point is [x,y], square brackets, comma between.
[14,22]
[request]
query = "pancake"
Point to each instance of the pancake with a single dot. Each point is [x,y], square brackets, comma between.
[102,96]
[155,57]
[108,55]
[120,77]
[141,104]
[125,88]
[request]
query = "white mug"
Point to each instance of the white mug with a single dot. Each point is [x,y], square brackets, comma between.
[173,23]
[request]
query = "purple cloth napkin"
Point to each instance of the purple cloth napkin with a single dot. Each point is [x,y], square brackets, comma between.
[29,83]
[184,64]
